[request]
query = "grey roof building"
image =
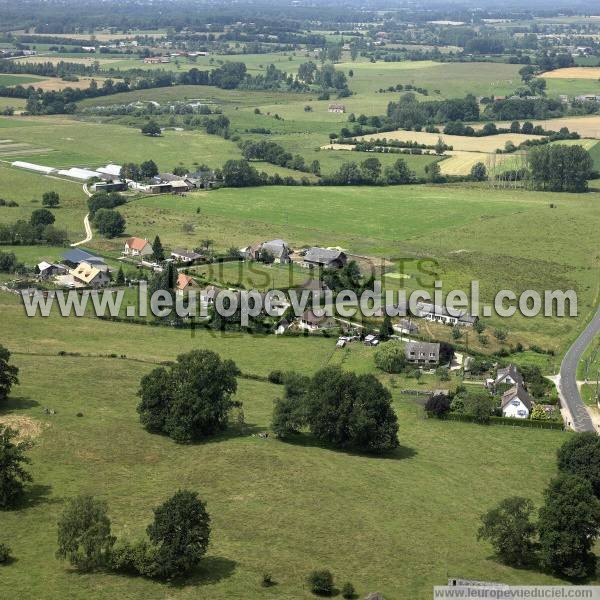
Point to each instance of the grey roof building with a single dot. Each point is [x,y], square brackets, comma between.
[322,257]
[422,352]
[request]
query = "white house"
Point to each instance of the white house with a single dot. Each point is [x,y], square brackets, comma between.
[516,403]
[135,246]
[441,314]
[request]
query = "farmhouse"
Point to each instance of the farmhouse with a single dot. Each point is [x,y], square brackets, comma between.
[422,353]
[325,258]
[182,255]
[441,314]
[516,403]
[85,275]
[311,322]
[278,249]
[336,108]
[135,246]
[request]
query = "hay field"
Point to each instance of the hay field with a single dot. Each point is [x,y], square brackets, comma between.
[458,142]
[588,126]
[573,73]
[461,162]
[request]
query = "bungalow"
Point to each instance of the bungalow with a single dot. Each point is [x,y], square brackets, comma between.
[441,314]
[324,258]
[182,255]
[86,275]
[135,246]
[47,270]
[516,403]
[184,284]
[427,353]
[310,322]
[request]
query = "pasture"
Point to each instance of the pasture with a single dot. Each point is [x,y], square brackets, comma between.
[472,232]
[261,493]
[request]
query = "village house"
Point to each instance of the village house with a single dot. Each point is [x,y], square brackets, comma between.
[311,322]
[422,353]
[336,108]
[324,258]
[440,314]
[184,284]
[506,376]
[278,249]
[135,246]
[181,255]
[516,403]
[86,275]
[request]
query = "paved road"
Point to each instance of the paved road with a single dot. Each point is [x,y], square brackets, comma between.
[568,376]
[86,223]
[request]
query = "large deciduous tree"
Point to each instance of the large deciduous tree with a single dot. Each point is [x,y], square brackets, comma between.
[190,399]
[508,527]
[8,373]
[84,536]
[12,473]
[568,524]
[580,455]
[180,532]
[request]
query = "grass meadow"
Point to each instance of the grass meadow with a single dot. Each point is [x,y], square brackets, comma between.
[471,232]
[274,506]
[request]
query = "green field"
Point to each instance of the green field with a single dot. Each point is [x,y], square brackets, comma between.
[274,506]
[10,80]
[473,232]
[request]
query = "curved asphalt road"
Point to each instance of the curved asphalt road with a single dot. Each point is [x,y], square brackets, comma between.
[568,376]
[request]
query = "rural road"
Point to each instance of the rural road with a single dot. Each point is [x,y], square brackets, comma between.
[86,222]
[568,376]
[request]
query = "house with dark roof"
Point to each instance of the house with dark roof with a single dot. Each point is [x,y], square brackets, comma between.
[516,403]
[183,255]
[440,314]
[279,249]
[422,353]
[508,376]
[75,256]
[324,258]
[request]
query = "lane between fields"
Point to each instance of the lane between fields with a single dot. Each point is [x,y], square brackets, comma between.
[86,222]
[567,383]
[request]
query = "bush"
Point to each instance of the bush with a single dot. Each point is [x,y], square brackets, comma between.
[4,553]
[276,377]
[321,582]
[348,590]
[267,580]
[438,405]
[133,558]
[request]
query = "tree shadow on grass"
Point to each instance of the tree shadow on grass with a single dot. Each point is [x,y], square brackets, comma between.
[310,441]
[13,403]
[37,494]
[210,571]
